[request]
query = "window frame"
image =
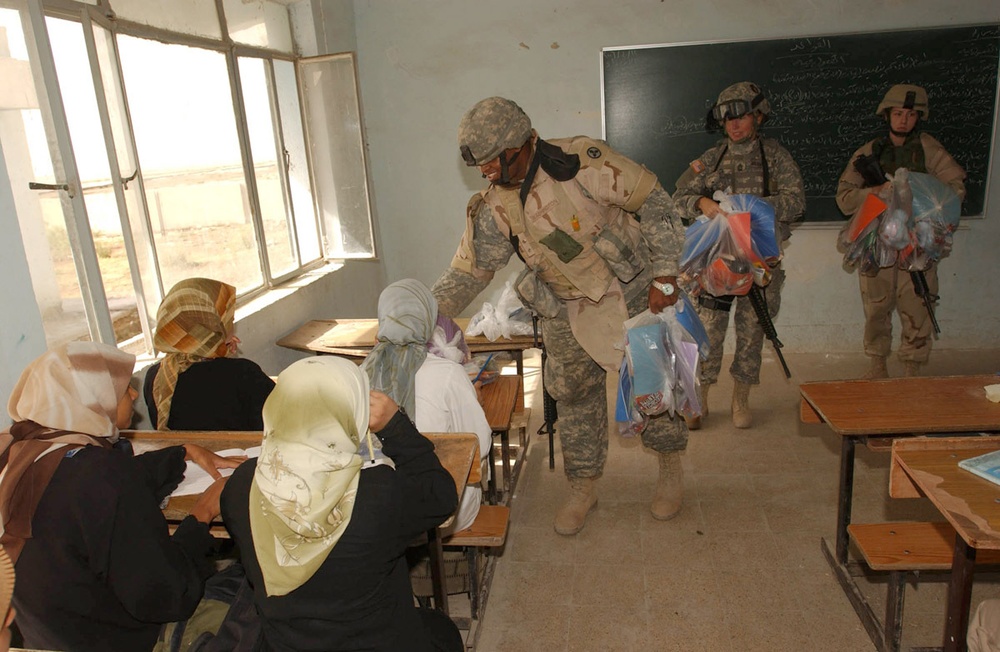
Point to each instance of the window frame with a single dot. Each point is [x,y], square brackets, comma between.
[92,19]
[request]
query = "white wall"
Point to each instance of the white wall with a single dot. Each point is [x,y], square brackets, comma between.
[423,63]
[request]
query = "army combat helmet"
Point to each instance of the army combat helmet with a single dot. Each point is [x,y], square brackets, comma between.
[905,96]
[735,102]
[489,128]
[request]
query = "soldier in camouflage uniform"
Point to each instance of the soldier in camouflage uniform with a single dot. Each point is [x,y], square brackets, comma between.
[903,106]
[744,162]
[599,244]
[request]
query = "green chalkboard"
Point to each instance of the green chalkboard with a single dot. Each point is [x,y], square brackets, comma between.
[823,92]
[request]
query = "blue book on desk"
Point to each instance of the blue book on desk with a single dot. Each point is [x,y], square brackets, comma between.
[985,466]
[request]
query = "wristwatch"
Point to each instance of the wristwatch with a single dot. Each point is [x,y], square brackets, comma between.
[666,288]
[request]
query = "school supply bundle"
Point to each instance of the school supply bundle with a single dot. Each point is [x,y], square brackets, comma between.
[659,372]
[729,253]
[909,225]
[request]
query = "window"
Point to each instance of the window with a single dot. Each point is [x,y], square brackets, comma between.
[159,151]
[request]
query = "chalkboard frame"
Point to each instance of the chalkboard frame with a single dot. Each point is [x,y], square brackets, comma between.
[633,91]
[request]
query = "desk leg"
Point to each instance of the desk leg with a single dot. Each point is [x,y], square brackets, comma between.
[959,596]
[847,444]
[437,569]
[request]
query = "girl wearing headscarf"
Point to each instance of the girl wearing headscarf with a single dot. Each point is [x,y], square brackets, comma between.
[322,519]
[435,390]
[199,385]
[81,519]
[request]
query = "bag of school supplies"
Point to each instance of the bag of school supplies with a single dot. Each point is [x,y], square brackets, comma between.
[660,370]
[936,211]
[725,255]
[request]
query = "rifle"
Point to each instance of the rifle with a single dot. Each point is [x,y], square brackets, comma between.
[922,290]
[759,303]
[870,170]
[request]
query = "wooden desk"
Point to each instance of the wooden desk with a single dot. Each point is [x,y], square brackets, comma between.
[898,407]
[458,453]
[356,337]
[499,400]
[969,503]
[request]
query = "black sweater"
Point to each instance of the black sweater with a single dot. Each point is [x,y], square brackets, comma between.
[360,598]
[215,394]
[100,571]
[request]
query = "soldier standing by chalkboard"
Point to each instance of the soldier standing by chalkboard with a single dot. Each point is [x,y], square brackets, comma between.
[905,146]
[743,162]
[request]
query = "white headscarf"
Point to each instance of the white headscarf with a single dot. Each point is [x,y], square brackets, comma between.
[74,387]
[407,314]
[306,480]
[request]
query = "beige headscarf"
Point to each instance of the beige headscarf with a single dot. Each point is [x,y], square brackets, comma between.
[66,398]
[194,323]
[307,475]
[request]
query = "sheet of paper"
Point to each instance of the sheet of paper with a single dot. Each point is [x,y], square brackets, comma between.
[196,479]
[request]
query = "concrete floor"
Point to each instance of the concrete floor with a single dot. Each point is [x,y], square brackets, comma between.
[740,569]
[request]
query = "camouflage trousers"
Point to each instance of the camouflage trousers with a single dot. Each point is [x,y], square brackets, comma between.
[578,384]
[749,335]
[892,289]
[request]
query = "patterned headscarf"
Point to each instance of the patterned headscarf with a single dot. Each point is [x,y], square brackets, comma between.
[67,398]
[307,475]
[407,314]
[194,323]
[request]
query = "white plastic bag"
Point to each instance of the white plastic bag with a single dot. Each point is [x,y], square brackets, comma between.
[508,318]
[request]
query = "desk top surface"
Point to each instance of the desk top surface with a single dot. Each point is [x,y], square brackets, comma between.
[905,405]
[458,453]
[356,337]
[499,399]
[970,503]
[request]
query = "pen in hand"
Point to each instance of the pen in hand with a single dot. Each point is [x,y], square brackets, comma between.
[483,368]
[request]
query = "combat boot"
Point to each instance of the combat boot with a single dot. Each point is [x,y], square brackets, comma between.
[582,498]
[876,369]
[694,423]
[911,368]
[741,405]
[667,496]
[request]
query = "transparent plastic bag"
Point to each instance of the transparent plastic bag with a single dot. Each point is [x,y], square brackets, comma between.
[508,318]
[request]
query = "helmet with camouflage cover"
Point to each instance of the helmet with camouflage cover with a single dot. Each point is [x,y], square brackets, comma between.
[905,96]
[490,127]
[740,99]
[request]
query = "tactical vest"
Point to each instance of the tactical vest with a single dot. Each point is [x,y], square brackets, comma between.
[559,223]
[909,155]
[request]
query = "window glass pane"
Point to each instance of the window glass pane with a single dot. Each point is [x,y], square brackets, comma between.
[185,133]
[127,168]
[77,88]
[278,233]
[298,167]
[264,24]
[40,212]
[333,116]
[196,17]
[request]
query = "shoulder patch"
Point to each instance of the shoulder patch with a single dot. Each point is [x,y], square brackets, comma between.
[697,166]
[594,152]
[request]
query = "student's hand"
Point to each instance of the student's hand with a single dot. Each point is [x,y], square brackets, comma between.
[207,508]
[382,410]
[209,461]
[708,207]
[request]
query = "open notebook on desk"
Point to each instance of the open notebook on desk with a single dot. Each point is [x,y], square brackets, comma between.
[196,479]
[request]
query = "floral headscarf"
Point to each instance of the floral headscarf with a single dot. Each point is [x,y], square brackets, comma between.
[194,323]
[66,398]
[407,314]
[306,480]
